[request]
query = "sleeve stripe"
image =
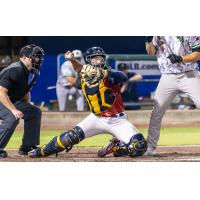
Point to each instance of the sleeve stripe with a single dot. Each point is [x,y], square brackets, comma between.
[196,46]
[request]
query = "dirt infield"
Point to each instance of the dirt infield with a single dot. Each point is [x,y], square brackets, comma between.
[164,154]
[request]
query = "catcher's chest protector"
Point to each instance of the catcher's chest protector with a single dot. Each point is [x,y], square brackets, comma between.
[99,98]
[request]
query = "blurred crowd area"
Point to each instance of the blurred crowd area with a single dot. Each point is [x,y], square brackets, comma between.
[133,100]
[9,49]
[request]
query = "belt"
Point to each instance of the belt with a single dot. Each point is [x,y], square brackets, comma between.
[118,115]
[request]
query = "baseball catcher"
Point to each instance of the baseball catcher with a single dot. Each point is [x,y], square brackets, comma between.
[101,88]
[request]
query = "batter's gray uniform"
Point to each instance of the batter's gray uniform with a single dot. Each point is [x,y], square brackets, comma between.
[64,89]
[178,77]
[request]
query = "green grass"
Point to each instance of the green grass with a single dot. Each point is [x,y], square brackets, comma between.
[169,136]
[180,136]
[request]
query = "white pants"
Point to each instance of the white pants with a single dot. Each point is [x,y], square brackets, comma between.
[63,94]
[119,127]
[168,87]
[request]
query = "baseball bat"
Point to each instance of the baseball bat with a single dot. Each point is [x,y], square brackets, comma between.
[162,39]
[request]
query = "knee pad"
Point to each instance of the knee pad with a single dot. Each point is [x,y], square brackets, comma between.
[120,149]
[68,139]
[137,145]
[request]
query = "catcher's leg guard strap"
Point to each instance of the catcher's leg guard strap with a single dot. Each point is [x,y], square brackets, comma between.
[52,147]
[71,137]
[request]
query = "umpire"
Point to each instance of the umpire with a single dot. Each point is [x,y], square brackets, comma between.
[16,81]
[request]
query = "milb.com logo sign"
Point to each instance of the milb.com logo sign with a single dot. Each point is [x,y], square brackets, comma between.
[139,66]
[144,67]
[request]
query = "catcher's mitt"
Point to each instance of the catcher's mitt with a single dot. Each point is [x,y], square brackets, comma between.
[92,75]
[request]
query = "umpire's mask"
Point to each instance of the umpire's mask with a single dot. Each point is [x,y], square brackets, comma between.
[36,54]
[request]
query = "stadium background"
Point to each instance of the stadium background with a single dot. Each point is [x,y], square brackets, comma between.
[55,45]
[130,49]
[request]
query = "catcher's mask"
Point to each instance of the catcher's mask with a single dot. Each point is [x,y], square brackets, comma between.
[91,75]
[95,51]
[36,54]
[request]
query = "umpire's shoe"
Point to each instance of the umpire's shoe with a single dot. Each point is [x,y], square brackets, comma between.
[3,154]
[23,150]
[35,153]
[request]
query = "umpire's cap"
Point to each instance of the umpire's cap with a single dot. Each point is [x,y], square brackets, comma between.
[122,66]
[77,53]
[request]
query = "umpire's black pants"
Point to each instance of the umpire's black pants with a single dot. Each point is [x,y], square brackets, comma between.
[32,122]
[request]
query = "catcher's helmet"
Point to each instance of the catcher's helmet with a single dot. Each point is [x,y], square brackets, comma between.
[95,51]
[36,54]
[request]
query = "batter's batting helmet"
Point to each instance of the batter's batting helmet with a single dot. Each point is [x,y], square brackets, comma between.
[36,54]
[95,51]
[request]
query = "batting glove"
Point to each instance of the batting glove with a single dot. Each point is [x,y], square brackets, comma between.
[175,58]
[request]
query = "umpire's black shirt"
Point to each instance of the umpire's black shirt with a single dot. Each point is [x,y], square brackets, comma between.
[16,78]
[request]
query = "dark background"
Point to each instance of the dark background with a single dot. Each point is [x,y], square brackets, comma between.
[58,44]
[54,45]
[111,44]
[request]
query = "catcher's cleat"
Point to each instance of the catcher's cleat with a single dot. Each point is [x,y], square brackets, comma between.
[36,153]
[108,148]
